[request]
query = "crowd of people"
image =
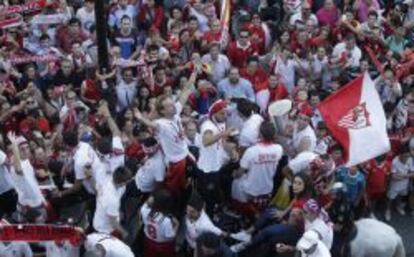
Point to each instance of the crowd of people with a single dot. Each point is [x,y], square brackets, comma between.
[170,150]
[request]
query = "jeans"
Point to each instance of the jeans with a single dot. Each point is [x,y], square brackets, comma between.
[265,218]
[284,233]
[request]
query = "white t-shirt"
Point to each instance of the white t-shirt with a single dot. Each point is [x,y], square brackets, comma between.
[401,168]
[287,73]
[307,132]
[107,164]
[324,230]
[193,229]
[321,251]
[86,18]
[301,161]
[158,228]
[15,249]
[299,22]
[353,57]
[86,155]
[26,186]
[112,245]
[250,130]
[152,172]
[170,134]
[211,157]
[108,203]
[261,162]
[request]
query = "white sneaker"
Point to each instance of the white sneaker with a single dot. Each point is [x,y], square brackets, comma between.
[242,236]
[401,210]
[387,215]
[239,247]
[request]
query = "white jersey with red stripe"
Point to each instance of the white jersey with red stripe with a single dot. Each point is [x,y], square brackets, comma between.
[157,227]
[170,134]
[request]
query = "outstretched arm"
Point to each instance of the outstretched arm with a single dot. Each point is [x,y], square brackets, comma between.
[187,89]
[147,122]
[17,164]
[104,111]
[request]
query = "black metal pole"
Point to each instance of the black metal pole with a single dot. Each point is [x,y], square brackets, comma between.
[101,34]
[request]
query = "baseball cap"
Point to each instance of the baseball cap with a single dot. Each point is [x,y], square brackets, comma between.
[309,239]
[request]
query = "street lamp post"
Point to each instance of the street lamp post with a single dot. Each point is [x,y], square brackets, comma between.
[101,34]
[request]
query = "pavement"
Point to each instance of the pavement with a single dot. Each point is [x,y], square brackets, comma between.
[404,225]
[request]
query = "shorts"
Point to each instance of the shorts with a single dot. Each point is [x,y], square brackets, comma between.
[176,179]
[394,192]
[155,249]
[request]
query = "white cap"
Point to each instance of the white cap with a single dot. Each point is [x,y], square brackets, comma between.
[309,239]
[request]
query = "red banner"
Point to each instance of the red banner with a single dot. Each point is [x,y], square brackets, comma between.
[23,8]
[40,233]
[11,22]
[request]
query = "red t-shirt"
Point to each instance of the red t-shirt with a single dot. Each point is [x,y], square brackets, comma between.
[377,177]
[278,93]
[299,202]
[238,56]
[257,79]
[258,37]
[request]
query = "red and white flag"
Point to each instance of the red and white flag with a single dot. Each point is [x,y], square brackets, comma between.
[356,119]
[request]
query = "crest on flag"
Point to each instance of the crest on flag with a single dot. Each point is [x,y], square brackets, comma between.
[356,118]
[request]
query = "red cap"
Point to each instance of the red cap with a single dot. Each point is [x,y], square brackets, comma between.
[217,106]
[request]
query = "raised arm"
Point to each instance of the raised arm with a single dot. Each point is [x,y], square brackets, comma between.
[104,111]
[187,89]
[147,122]
[17,163]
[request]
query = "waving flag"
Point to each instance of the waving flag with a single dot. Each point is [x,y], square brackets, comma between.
[356,119]
[224,22]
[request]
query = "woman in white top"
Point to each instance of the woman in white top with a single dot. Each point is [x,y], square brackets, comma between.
[160,227]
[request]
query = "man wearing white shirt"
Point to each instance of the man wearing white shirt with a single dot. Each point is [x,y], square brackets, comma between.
[152,173]
[86,14]
[126,90]
[123,8]
[249,133]
[212,154]
[28,191]
[102,245]
[170,134]
[254,183]
[197,221]
[85,164]
[348,52]
[299,19]
[15,249]
[304,137]
[110,151]
[219,63]
[108,202]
